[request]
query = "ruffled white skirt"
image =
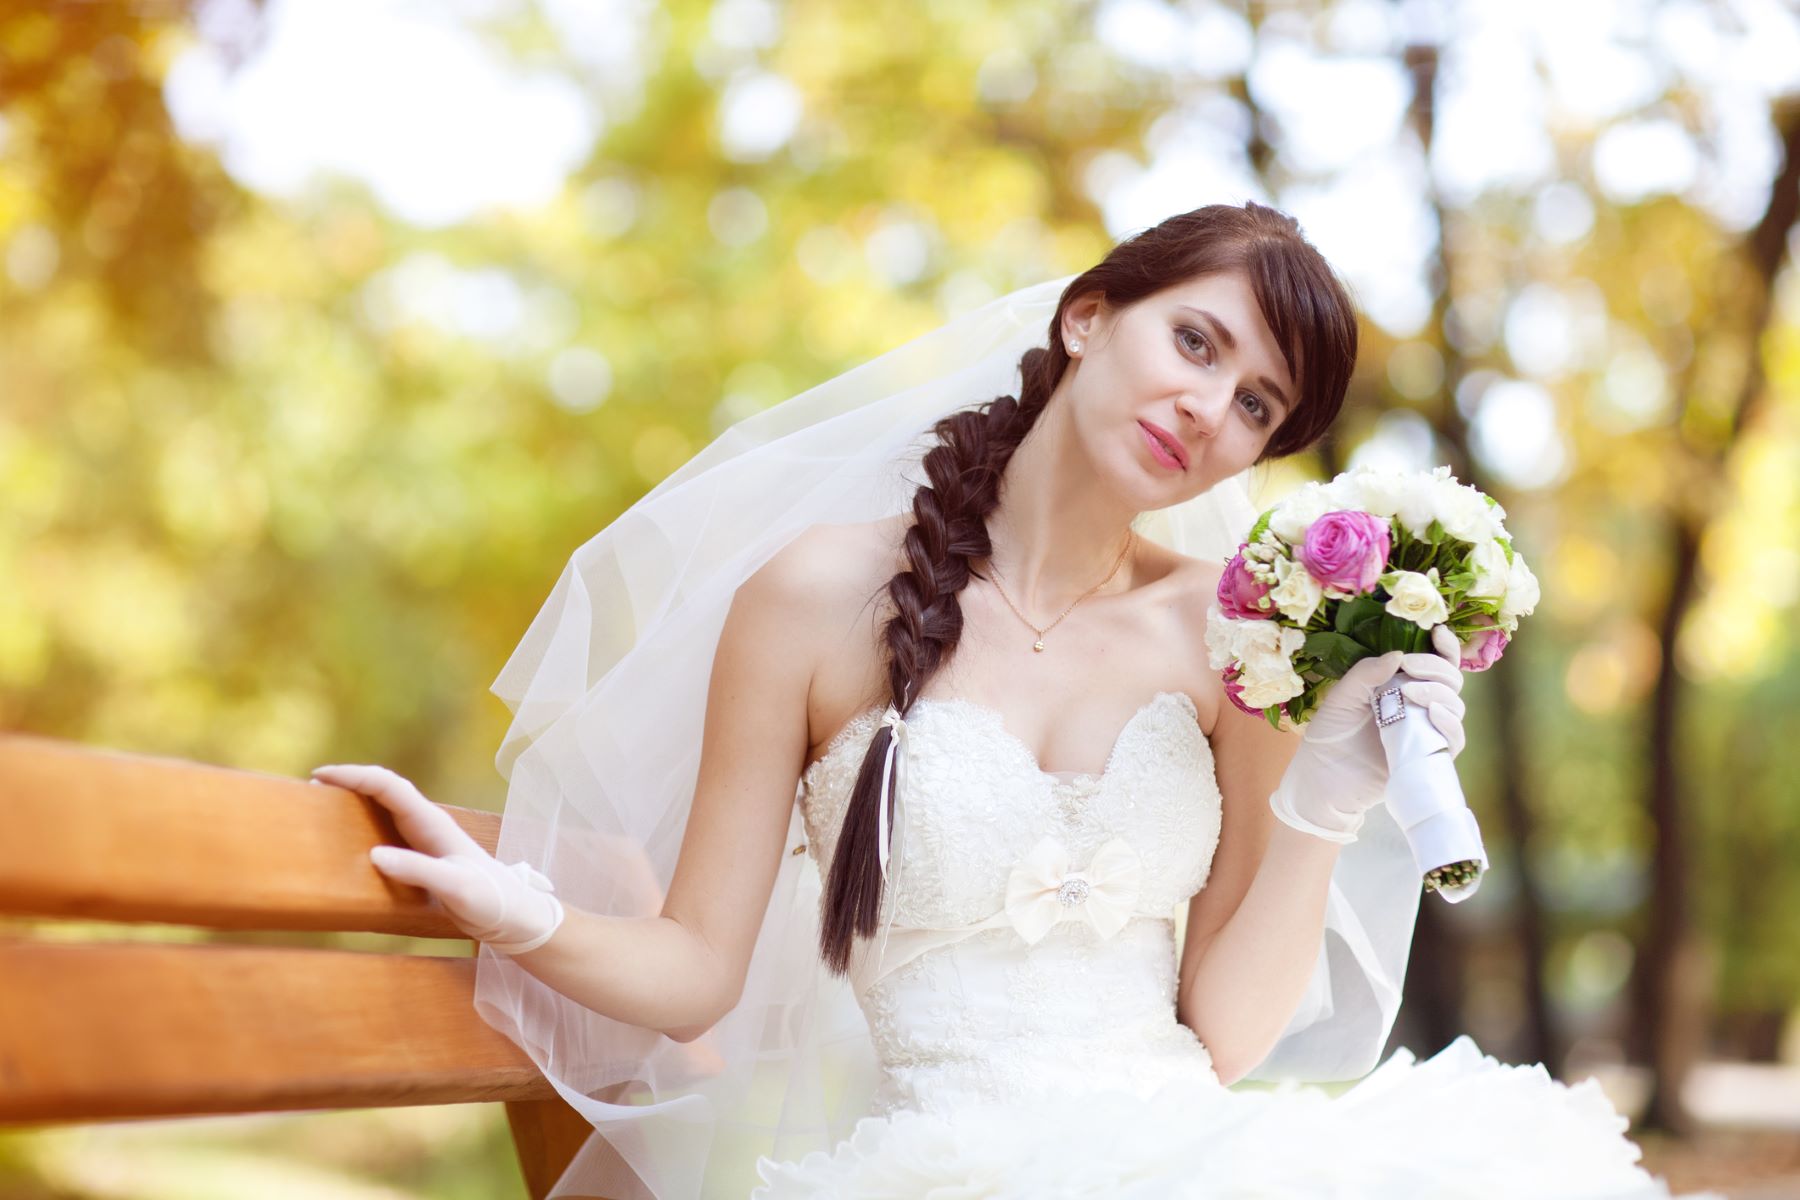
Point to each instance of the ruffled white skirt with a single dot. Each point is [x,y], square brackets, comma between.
[1460,1124]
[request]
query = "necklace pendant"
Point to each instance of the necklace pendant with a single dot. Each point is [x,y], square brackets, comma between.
[1038,645]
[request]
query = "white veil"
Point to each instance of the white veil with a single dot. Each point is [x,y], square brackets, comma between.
[608,694]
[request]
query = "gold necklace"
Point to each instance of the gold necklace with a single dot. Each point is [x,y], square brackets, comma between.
[1130,540]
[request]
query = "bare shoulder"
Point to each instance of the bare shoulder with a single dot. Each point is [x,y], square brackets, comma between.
[834,579]
[1183,591]
[823,566]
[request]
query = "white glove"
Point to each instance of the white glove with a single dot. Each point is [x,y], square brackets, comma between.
[510,908]
[1341,769]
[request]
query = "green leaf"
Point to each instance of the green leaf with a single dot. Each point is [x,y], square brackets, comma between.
[1262,523]
[1395,634]
[1334,653]
[1353,616]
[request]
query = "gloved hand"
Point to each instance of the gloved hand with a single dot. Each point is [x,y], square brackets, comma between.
[511,908]
[1341,769]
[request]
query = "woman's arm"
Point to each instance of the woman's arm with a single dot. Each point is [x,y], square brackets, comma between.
[681,971]
[1253,931]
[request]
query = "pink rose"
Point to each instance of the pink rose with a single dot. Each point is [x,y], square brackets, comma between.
[1346,550]
[1484,647]
[1234,691]
[1240,593]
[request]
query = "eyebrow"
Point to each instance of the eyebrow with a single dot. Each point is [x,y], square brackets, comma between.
[1224,335]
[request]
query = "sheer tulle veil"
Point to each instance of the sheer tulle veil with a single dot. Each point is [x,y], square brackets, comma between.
[608,693]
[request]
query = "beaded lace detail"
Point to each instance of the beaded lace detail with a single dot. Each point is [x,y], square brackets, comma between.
[990,1015]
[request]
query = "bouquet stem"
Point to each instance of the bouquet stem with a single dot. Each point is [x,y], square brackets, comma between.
[1426,797]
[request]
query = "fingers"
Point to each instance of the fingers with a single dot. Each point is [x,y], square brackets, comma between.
[1443,707]
[1433,668]
[409,866]
[458,883]
[423,824]
[1370,673]
[1427,694]
[1450,725]
[1444,641]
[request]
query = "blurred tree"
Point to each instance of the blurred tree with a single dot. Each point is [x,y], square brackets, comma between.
[1718,402]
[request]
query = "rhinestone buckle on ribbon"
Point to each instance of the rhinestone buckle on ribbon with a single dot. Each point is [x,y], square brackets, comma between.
[1387,714]
[1073,891]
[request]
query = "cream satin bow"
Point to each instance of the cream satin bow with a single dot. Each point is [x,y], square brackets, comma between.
[1042,890]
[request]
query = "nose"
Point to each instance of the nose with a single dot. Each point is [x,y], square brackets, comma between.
[1205,413]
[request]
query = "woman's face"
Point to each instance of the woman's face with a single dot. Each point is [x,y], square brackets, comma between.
[1196,361]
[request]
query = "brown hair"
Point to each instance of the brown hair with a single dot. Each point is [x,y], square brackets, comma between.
[1310,315]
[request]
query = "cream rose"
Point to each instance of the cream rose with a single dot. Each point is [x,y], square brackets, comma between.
[1415,597]
[1298,595]
[1262,693]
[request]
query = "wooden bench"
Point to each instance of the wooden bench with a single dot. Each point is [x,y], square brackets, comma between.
[95,1031]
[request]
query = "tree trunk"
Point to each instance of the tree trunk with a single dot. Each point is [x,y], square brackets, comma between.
[1540,1043]
[1670,983]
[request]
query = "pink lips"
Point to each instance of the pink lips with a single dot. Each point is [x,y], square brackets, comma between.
[1153,437]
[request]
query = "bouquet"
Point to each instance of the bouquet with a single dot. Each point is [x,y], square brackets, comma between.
[1365,564]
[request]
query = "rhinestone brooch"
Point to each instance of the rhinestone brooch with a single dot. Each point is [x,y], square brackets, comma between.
[1073,891]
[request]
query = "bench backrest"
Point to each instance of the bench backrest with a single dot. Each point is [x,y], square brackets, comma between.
[113,1030]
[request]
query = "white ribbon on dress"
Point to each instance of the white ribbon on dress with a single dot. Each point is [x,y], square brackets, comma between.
[896,753]
[1042,890]
[894,762]
[1105,895]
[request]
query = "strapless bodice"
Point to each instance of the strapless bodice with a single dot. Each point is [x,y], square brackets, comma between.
[1032,941]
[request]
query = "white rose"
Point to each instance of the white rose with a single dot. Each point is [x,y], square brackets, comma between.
[1369,490]
[1465,514]
[1298,594]
[1521,594]
[1263,639]
[1415,597]
[1417,503]
[1267,649]
[1491,571]
[1268,657]
[1295,514]
[1221,637]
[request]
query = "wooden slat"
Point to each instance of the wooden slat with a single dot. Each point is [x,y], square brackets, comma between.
[548,1134]
[101,835]
[141,1030]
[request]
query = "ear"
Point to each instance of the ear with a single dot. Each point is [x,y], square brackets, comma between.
[1082,318]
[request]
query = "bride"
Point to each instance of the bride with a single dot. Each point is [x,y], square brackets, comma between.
[989,693]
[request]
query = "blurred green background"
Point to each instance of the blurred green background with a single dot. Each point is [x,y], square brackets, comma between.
[329,329]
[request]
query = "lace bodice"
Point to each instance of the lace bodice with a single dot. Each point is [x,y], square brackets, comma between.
[1032,939]
[1028,1046]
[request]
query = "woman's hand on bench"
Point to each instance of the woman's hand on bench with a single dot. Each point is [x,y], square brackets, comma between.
[511,908]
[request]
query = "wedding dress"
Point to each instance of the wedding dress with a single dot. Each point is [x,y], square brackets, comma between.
[1022,1007]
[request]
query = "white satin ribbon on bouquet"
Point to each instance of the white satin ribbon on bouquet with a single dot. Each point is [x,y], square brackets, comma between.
[1042,890]
[1424,793]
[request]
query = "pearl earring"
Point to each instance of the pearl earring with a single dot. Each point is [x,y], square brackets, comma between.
[1074,347]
